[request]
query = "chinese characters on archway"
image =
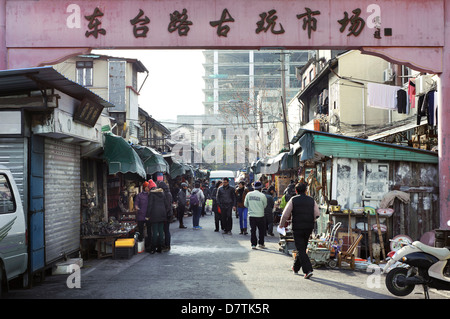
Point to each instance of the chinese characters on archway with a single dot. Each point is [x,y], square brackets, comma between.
[267,22]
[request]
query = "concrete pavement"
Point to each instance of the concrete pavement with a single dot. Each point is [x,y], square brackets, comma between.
[204,264]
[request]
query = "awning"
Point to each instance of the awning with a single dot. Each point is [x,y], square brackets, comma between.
[272,165]
[20,81]
[326,144]
[121,157]
[176,168]
[188,170]
[153,161]
[289,161]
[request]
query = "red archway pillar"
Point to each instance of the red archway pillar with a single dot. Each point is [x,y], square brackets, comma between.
[3,50]
[444,127]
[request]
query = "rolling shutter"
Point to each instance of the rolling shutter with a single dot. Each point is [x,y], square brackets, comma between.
[62,199]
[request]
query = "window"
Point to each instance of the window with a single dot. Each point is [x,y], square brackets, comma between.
[406,74]
[84,72]
[7,203]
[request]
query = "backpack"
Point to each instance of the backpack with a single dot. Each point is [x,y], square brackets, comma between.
[193,199]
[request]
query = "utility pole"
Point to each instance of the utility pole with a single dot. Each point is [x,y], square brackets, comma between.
[283,99]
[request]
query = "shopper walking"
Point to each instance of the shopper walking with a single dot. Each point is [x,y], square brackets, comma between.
[169,214]
[207,193]
[157,215]
[140,205]
[256,201]
[196,201]
[226,199]
[216,209]
[268,212]
[181,204]
[304,212]
[241,192]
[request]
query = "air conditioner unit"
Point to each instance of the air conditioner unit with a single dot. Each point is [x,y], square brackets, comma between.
[387,75]
[423,84]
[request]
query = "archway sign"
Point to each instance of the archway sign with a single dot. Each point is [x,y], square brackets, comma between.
[410,32]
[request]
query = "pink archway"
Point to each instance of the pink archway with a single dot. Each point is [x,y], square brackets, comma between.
[411,32]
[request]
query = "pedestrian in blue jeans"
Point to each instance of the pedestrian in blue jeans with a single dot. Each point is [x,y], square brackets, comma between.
[241,192]
[197,205]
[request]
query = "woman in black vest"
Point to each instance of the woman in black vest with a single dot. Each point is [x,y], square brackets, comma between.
[304,212]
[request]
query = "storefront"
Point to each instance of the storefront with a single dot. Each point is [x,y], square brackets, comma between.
[48,121]
[121,178]
[352,178]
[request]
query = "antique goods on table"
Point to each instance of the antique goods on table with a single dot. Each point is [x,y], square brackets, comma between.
[320,250]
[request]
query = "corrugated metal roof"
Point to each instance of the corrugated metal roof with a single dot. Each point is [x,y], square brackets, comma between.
[350,147]
[20,81]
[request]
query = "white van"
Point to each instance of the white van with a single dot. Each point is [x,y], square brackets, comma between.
[220,175]
[13,238]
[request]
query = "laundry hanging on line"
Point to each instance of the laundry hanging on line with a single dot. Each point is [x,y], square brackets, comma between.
[382,96]
[427,106]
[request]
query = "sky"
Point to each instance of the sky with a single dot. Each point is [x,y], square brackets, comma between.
[174,85]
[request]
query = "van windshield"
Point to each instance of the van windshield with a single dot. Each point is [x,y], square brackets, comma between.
[7,204]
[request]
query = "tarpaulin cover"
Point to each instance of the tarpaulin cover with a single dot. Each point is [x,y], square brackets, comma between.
[153,161]
[121,157]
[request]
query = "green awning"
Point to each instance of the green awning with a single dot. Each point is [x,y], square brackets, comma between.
[121,157]
[189,170]
[152,160]
[176,168]
[350,147]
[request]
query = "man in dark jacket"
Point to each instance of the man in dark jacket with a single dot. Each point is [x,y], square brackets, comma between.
[216,210]
[304,212]
[268,212]
[156,215]
[140,205]
[181,199]
[168,198]
[226,199]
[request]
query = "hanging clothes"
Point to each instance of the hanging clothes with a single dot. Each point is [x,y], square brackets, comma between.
[401,101]
[431,99]
[412,93]
[382,96]
[421,107]
[426,106]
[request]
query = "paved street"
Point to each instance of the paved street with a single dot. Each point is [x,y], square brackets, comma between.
[204,264]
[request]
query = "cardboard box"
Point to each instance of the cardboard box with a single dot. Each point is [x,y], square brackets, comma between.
[423,139]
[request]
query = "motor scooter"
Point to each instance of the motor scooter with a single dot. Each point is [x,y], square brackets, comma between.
[420,264]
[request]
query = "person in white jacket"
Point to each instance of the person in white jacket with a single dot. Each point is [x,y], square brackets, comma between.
[256,201]
[197,207]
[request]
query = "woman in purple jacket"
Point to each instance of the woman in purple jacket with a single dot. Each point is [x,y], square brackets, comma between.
[140,204]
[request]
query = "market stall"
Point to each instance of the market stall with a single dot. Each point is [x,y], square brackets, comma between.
[377,191]
[124,174]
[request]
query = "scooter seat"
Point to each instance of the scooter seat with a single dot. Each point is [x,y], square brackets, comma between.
[441,253]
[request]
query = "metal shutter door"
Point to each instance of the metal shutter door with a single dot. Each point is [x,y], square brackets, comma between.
[62,199]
